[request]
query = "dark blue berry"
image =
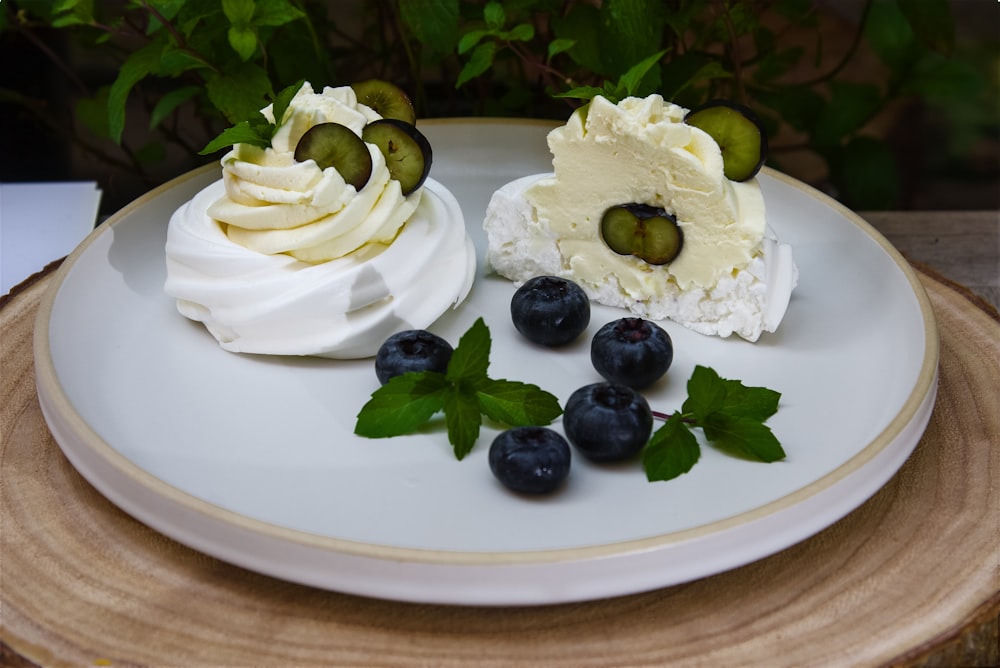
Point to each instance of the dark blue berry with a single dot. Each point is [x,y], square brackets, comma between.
[607,421]
[550,311]
[632,351]
[411,350]
[530,460]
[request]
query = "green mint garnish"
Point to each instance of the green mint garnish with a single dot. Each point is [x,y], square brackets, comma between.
[257,131]
[627,85]
[731,416]
[465,393]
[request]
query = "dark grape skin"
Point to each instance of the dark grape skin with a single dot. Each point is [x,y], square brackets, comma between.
[550,311]
[632,351]
[607,422]
[530,460]
[411,350]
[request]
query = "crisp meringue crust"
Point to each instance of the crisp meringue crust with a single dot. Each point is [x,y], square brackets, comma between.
[254,302]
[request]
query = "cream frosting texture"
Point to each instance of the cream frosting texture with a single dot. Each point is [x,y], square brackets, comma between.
[732,276]
[282,257]
[274,204]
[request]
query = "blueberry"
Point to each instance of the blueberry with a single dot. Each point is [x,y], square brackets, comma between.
[411,350]
[550,311]
[607,421]
[632,351]
[531,460]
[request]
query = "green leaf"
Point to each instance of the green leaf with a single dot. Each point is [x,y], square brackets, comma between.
[630,30]
[470,39]
[241,133]
[461,411]
[743,435]
[169,102]
[71,13]
[480,61]
[889,34]
[758,403]
[558,46]
[243,41]
[471,358]
[581,93]
[494,15]
[672,451]
[582,25]
[239,12]
[283,100]
[276,13]
[932,23]
[635,74]
[241,93]
[517,404]
[258,131]
[707,72]
[706,393]
[434,23]
[522,32]
[93,112]
[402,404]
[137,66]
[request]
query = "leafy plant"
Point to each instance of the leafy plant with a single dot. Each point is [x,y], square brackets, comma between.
[176,72]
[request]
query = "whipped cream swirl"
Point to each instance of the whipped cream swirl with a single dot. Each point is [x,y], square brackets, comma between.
[280,257]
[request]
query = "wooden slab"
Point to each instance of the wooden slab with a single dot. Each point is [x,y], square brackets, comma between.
[910,578]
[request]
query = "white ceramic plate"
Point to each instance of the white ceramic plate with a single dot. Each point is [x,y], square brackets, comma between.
[252,459]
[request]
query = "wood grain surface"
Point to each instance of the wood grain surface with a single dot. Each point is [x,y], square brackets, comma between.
[912,577]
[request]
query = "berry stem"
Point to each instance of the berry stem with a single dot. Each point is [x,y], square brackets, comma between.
[666,416]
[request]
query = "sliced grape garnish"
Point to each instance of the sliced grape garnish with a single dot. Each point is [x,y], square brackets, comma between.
[739,134]
[387,99]
[335,145]
[407,152]
[647,232]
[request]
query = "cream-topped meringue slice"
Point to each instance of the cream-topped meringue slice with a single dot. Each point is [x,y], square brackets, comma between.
[282,257]
[731,275]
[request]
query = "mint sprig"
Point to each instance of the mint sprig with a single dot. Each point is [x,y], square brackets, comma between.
[465,393]
[257,131]
[731,416]
[627,85]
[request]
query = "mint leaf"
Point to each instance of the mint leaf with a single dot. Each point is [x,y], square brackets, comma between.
[758,403]
[471,358]
[281,103]
[672,451]
[461,412]
[744,435]
[629,82]
[465,393]
[706,393]
[258,131]
[241,133]
[480,60]
[729,413]
[136,67]
[581,93]
[402,405]
[517,404]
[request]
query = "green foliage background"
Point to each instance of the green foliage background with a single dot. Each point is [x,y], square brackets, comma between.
[184,69]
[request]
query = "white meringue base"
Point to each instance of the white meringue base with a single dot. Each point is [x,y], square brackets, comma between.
[751,301]
[253,302]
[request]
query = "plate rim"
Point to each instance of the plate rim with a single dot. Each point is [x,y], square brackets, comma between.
[58,406]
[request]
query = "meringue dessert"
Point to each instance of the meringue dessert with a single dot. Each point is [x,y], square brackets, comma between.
[283,256]
[639,213]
